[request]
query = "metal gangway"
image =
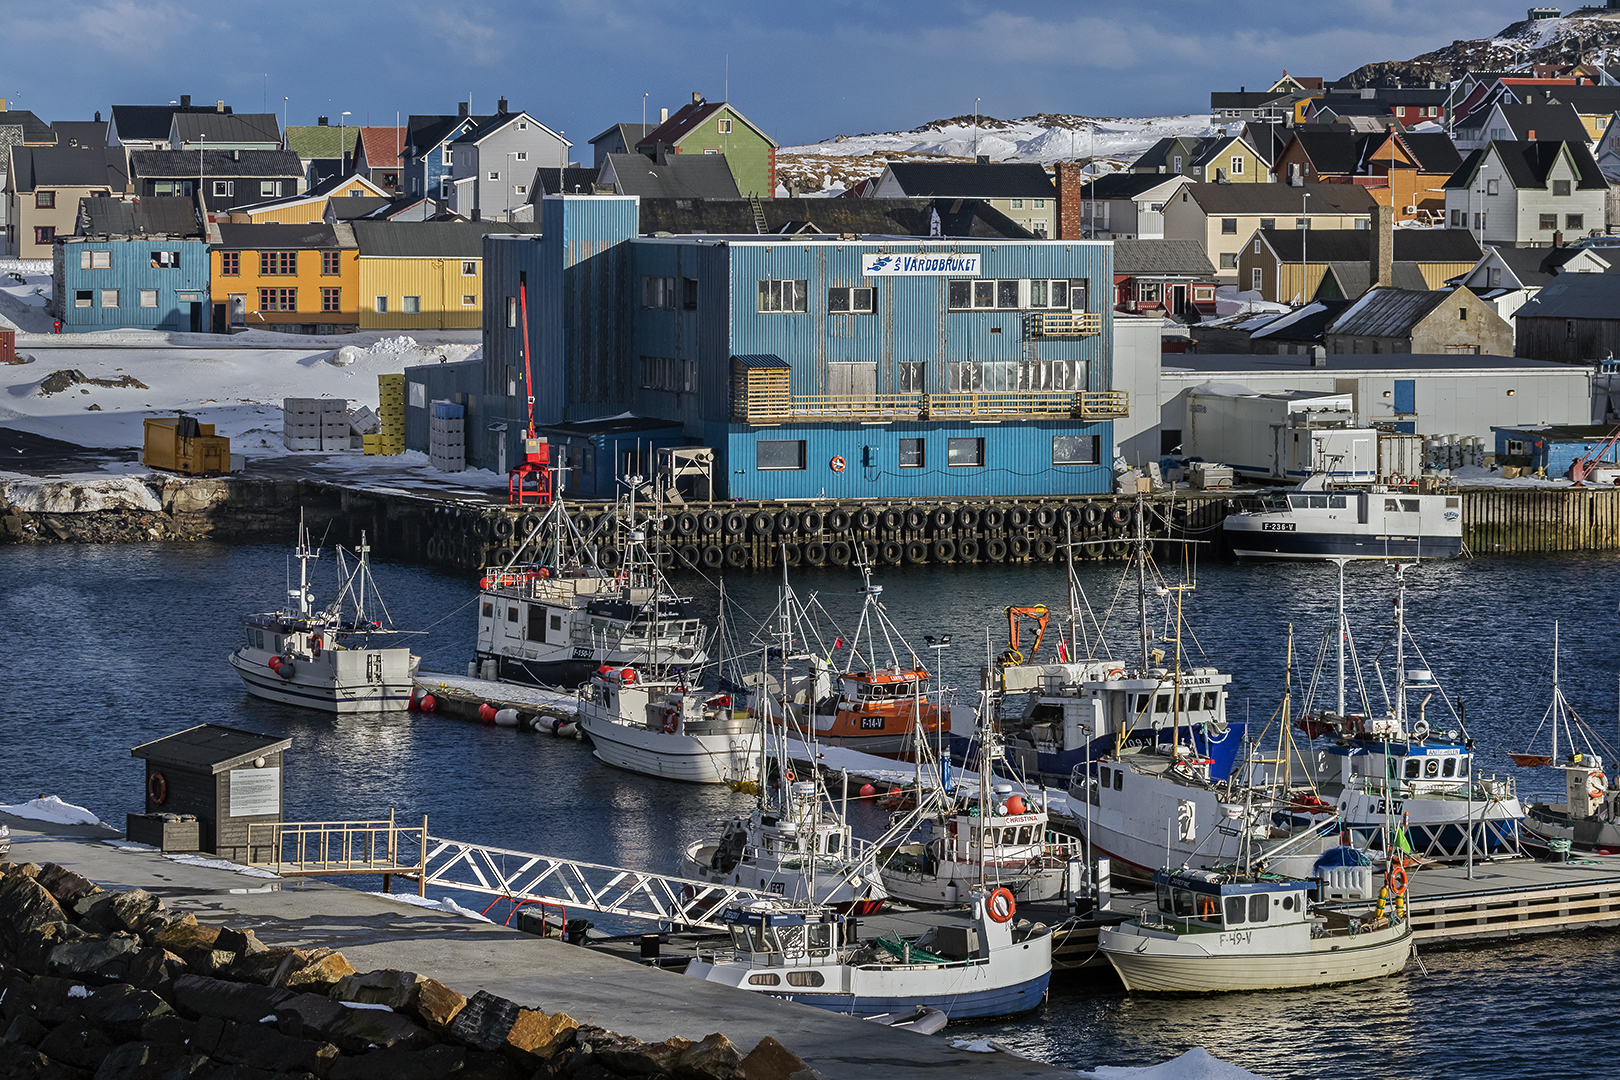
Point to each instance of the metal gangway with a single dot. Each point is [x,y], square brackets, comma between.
[385,847]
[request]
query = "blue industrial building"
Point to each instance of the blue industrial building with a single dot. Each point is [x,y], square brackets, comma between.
[136,264]
[814,366]
[1551,448]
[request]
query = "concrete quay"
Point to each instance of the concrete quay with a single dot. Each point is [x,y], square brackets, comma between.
[594,988]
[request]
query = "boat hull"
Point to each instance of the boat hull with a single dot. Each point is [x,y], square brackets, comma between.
[967,1005]
[314,687]
[1253,545]
[1183,965]
[695,759]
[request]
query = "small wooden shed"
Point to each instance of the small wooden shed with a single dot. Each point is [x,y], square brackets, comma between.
[228,778]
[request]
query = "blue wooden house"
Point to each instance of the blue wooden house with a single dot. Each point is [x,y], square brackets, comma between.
[427,162]
[141,263]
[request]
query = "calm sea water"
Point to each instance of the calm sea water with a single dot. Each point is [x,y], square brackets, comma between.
[103,648]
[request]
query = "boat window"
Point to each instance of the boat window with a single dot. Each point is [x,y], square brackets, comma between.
[489,610]
[833,840]
[1288,903]
[1299,502]
[1181,903]
[1452,502]
[1106,774]
[279,641]
[1209,701]
[1259,907]
[1412,767]
[1410,506]
[1119,779]
[806,978]
[1208,907]
[1450,767]
[739,938]
[512,613]
[764,979]
[1319,502]
[1234,910]
[1024,834]
[1391,506]
[1164,896]
[556,622]
[1338,502]
[1462,766]
[1162,705]
[536,628]
[819,938]
[1431,767]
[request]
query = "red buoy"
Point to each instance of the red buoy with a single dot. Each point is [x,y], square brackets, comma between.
[274,663]
[428,703]
[867,791]
[486,713]
[628,674]
[1015,804]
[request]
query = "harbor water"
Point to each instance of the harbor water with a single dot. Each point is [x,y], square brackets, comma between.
[105,647]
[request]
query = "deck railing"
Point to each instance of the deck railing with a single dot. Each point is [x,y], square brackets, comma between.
[305,848]
[1066,324]
[781,407]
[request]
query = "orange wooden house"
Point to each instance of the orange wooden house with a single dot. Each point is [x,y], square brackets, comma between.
[296,278]
[1400,169]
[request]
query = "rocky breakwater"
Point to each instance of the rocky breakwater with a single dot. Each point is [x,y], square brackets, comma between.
[130,509]
[98,985]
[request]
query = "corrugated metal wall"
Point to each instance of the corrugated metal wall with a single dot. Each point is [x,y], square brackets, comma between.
[584,332]
[505,257]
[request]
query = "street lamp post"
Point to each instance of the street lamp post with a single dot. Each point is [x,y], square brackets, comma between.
[1304,241]
[343,146]
[201,172]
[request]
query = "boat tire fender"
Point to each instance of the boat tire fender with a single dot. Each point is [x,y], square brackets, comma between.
[1120,515]
[690,555]
[891,552]
[1019,547]
[787,522]
[815,553]
[1044,516]
[942,517]
[837,520]
[502,527]
[686,523]
[736,556]
[944,550]
[810,521]
[1017,517]
[917,552]
[891,518]
[1045,548]
[709,522]
[968,550]
[839,552]
[736,523]
[1092,515]
[763,523]
[967,518]
[995,549]
[916,518]
[1000,906]
[713,558]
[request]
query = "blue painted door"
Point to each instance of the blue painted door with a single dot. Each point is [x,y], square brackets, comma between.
[1405,397]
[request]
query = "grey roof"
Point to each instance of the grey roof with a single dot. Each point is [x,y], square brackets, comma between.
[1250,99]
[1308,323]
[275,235]
[1355,245]
[68,166]
[150,122]
[973,180]
[1537,266]
[91,133]
[228,127]
[682,176]
[1400,362]
[882,217]
[431,239]
[1586,99]
[155,215]
[1127,185]
[180,164]
[1551,123]
[760,360]
[423,133]
[1280,199]
[357,206]
[631,134]
[1576,296]
[209,747]
[34,129]
[582,181]
[1528,163]
[1161,257]
[1387,312]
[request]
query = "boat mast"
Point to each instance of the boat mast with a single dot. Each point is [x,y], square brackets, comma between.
[303,555]
[1343,630]
[1557,696]
[1141,578]
[1400,644]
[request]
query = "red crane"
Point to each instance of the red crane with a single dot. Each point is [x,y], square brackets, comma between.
[536,451]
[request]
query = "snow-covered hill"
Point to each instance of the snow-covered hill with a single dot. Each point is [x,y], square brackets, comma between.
[840,162]
[1590,35]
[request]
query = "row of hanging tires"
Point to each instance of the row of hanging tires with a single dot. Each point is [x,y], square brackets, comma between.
[915,552]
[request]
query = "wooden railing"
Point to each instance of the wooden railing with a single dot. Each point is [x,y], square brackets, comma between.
[780,407]
[1066,324]
[306,848]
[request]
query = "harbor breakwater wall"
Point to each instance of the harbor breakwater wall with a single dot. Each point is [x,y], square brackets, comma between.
[121,986]
[464,534]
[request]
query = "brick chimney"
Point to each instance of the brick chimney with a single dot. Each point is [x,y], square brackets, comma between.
[1071,180]
[1383,246]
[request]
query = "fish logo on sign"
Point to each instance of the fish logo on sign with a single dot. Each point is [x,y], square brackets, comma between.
[879,263]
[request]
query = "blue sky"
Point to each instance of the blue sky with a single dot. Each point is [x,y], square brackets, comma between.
[803,72]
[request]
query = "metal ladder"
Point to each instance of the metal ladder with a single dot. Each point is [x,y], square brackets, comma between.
[759,214]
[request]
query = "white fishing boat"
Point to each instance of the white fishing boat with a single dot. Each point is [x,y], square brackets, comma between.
[1213,931]
[552,615]
[335,659]
[665,728]
[1315,521]
[979,965]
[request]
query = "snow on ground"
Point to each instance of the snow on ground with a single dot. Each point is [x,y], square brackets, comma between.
[1196,1064]
[839,163]
[25,289]
[236,383]
[446,905]
[52,809]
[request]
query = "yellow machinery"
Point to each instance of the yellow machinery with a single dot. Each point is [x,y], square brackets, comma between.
[1013,656]
[180,444]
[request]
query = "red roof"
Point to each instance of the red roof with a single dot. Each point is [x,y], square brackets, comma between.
[677,127]
[383,146]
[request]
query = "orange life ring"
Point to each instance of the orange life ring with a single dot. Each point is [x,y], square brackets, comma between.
[157,788]
[1396,479]
[1396,876]
[837,464]
[672,719]
[1000,906]
[789,776]
[1117,673]
[315,644]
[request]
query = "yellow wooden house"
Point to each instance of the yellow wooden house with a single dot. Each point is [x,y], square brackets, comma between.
[299,278]
[308,207]
[424,275]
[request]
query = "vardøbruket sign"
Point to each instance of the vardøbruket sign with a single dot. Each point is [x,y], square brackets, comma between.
[921,265]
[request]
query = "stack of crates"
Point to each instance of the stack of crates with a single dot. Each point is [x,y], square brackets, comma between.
[390,437]
[334,424]
[447,446]
[315,423]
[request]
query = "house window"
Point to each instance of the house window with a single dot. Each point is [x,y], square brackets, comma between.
[277,263]
[95,260]
[1268,223]
[779,454]
[1040,204]
[278,299]
[417,393]
[723,126]
[331,299]
[1237,165]
[1256,280]
[512,311]
[1257,245]
[469,300]
[494,175]
[960,295]
[44,234]
[1560,187]
[782,295]
[1549,222]
[382,305]
[1176,167]
[1457,220]
[520,189]
[1018,204]
[1074,449]
[1569,329]
[658,292]
[224,188]
[109,297]
[1228,260]
[689,293]
[522,155]
[44,200]
[1493,187]
[269,189]
[82,298]
[911,454]
[149,298]
[329,263]
[1229,226]
[448,156]
[230,263]
[1462,314]
[1305,223]
[1050,294]
[165,260]
[410,305]
[964,453]
[850,300]
[1493,277]
[913,377]
[469,268]
[1573,221]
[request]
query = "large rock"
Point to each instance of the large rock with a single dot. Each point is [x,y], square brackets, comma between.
[436,1005]
[485,1022]
[199,995]
[263,1047]
[536,1036]
[124,1011]
[26,1030]
[482,1065]
[385,986]
[140,1061]
[25,1062]
[715,1058]
[270,967]
[320,976]
[399,1064]
[240,943]
[770,1060]
[305,1016]
[154,969]
[81,959]
[186,941]
[65,885]
[77,1043]
[25,905]
[128,911]
[311,1016]
[34,945]
[628,1056]
[52,1001]
[170,1028]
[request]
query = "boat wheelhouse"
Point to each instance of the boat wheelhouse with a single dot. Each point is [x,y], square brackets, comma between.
[1320,523]
[665,728]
